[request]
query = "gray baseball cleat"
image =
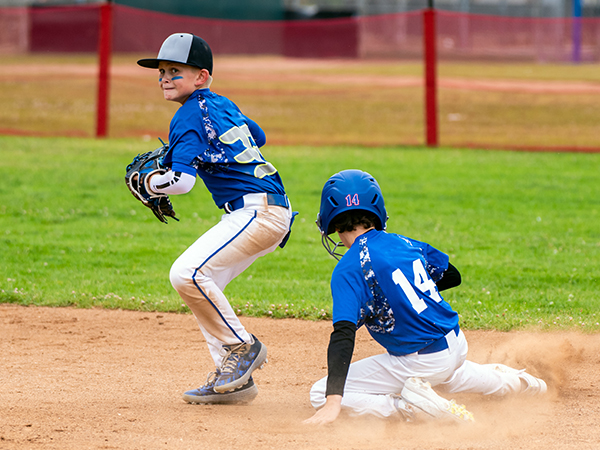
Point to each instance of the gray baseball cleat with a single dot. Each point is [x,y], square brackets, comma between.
[238,364]
[419,394]
[206,395]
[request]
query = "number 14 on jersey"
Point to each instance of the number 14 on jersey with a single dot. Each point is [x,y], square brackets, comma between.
[422,282]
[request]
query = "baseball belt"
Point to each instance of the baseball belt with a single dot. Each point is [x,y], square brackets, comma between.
[439,345]
[272,199]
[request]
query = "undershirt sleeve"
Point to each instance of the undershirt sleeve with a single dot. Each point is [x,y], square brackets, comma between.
[172,183]
[339,356]
[450,278]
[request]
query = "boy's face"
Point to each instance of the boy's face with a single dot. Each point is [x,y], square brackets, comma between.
[179,81]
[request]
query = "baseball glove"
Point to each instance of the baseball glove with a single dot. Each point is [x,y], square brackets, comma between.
[139,172]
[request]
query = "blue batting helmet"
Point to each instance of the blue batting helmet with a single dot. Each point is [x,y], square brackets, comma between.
[350,190]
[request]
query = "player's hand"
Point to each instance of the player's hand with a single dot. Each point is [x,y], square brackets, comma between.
[327,413]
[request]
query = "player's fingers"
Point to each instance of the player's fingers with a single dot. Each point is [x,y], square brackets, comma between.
[317,420]
[311,421]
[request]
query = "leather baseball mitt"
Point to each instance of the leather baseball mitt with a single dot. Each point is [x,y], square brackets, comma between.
[139,172]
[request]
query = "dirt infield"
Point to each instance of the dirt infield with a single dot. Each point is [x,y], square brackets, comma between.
[99,379]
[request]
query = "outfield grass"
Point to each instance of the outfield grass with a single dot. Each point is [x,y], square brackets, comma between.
[521,227]
[317,102]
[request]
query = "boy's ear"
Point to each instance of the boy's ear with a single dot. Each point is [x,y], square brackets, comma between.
[202,77]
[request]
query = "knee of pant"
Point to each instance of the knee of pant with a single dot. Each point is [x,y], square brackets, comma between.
[183,277]
[180,276]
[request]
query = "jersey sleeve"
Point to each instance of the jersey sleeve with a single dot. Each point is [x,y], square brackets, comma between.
[347,290]
[259,136]
[184,151]
[188,140]
[437,261]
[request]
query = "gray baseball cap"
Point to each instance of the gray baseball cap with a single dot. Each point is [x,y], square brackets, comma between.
[183,48]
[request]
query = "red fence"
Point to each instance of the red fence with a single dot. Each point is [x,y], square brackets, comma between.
[465,37]
[459,36]
[479,37]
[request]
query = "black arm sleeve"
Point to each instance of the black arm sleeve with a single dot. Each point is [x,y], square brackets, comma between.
[450,279]
[339,356]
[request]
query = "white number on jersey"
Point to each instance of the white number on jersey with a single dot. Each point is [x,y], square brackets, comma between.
[417,302]
[251,152]
[422,282]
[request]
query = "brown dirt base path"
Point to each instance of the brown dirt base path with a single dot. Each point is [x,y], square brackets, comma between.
[99,379]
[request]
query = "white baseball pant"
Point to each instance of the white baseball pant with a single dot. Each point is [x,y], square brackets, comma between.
[371,380]
[203,271]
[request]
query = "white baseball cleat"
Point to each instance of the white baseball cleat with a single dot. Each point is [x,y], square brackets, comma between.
[419,394]
[531,385]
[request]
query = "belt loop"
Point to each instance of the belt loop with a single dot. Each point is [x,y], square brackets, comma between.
[227,208]
[452,339]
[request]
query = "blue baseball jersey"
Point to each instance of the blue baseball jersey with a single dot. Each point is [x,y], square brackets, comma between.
[210,137]
[387,283]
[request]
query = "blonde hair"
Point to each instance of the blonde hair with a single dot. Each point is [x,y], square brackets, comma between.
[208,82]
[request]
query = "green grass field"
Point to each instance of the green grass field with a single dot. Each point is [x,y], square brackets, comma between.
[521,227]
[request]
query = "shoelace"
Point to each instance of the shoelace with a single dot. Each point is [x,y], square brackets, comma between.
[232,357]
[210,380]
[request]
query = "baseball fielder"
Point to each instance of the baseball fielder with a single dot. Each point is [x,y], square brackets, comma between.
[210,138]
[391,284]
